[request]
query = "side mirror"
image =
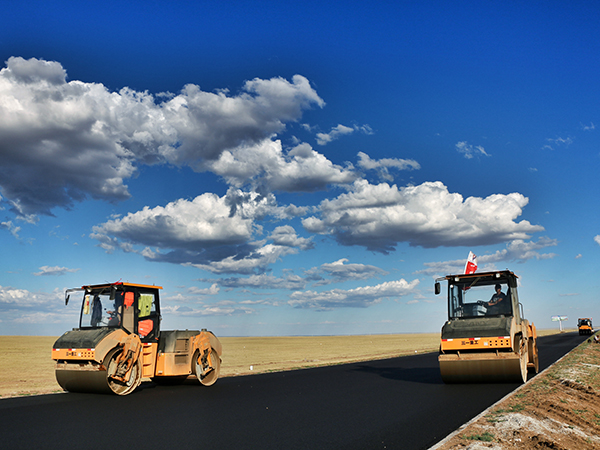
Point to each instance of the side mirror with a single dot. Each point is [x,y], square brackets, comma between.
[67,299]
[438,288]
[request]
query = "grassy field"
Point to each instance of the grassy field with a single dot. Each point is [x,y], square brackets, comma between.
[27,367]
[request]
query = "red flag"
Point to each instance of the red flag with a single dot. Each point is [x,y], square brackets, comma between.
[471,265]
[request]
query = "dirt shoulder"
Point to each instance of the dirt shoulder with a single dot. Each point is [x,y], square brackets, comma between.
[558,409]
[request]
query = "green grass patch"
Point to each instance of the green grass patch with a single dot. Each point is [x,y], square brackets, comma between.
[484,437]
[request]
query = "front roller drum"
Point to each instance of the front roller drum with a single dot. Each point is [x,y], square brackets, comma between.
[483,368]
[74,377]
[95,378]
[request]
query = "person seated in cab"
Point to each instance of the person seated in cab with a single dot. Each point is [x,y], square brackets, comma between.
[116,312]
[498,304]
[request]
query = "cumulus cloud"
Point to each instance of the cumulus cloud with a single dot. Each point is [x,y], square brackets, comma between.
[361,297]
[54,271]
[209,123]
[63,141]
[517,251]
[597,239]
[470,151]
[209,232]
[286,236]
[378,217]
[204,222]
[266,166]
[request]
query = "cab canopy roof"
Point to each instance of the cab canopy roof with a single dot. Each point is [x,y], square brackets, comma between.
[90,287]
[487,276]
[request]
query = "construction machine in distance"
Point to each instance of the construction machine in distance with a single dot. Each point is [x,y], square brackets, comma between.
[482,341]
[119,342]
[585,326]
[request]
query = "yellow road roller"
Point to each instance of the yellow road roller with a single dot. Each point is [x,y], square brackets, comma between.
[119,342]
[486,338]
[584,325]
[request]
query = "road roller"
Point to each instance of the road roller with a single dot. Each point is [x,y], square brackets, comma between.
[486,338]
[584,325]
[119,342]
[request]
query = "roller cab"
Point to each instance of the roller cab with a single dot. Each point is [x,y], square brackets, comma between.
[119,342]
[486,338]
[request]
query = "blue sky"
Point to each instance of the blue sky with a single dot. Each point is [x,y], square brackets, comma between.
[286,168]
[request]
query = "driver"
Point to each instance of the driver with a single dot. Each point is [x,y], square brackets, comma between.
[498,298]
[115,314]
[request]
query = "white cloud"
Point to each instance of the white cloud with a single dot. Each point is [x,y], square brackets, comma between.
[517,251]
[249,262]
[205,222]
[52,132]
[382,165]
[402,164]
[212,290]
[361,297]
[54,271]
[209,123]
[266,165]
[22,298]
[340,130]
[470,151]
[335,133]
[207,310]
[286,236]
[597,239]
[378,217]
[589,127]
[557,143]
[8,225]
[209,232]
[341,271]
[264,281]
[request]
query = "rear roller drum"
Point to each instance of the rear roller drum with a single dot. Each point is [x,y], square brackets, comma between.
[117,386]
[206,375]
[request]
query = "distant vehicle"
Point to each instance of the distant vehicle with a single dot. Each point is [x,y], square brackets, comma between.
[119,342]
[482,341]
[585,326]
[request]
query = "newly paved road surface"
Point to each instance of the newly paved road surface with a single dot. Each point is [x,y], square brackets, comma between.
[398,403]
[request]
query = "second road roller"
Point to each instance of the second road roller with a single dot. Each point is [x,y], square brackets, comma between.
[119,342]
[486,337]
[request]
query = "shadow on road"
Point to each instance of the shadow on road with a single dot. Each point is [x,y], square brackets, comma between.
[427,375]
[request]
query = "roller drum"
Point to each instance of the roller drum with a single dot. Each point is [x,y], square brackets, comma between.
[92,381]
[485,367]
[94,378]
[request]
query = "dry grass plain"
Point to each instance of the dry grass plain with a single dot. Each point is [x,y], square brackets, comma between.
[26,367]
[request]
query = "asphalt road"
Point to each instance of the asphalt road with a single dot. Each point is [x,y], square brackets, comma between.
[398,403]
